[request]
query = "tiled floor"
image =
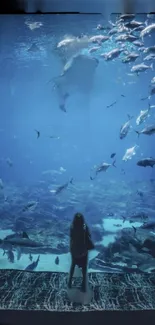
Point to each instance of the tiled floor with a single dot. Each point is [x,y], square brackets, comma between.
[48,291]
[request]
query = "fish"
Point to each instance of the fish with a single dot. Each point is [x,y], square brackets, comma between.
[140,193]
[99,39]
[108,106]
[33,48]
[141,68]
[104,167]
[138,217]
[19,253]
[62,187]
[38,133]
[9,162]
[20,242]
[10,256]
[125,128]
[149,57]
[149,130]
[94,49]
[33,265]
[29,206]
[135,229]
[147,30]
[126,17]
[143,116]
[153,81]
[130,153]
[133,24]
[148,225]
[30,257]
[146,162]
[152,92]
[138,43]
[34,25]
[126,38]
[57,260]
[113,155]
[1,184]
[113,54]
[54,137]
[150,50]
[130,57]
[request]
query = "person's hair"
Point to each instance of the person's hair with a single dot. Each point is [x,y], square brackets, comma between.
[78,221]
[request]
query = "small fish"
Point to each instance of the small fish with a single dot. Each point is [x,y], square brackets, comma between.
[10,255]
[33,48]
[147,30]
[30,257]
[1,184]
[149,57]
[102,168]
[139,217]
[33,265]
[113,155]
[135,229]
[138,43]
[62,187]
[126,17]
[53,137]
[19,253]
[153,81]
[140,193]
[108,106]
[38,133]
[113,54]
[131,57]
[141,68]
[130,153]
[146,162]
[124,219]
[133,24]
[148,225]
[99,39]
[125,128]
[57,260]
[94,49]
[143,116]
[149,130]
[29,206]
[34,25]
[122,95]
[117,225]
[9,162]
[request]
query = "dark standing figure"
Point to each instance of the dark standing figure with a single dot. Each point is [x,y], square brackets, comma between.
[80,243]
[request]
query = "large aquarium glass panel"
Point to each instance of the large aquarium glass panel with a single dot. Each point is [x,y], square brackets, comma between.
[77,135]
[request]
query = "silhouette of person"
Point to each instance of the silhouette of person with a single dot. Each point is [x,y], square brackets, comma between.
[80,244]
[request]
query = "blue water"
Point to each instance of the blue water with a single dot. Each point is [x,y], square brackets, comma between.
[88,131]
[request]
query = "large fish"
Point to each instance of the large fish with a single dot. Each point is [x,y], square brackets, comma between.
[21,241]
[78,75]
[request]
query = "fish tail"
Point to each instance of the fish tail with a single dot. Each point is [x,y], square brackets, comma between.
[114,163]
[138,133]
[130,116]
[71,181]
[151,66]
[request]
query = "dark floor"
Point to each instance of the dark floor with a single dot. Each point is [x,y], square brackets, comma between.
[20,290]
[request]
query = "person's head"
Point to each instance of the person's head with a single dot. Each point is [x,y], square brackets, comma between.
[78,221]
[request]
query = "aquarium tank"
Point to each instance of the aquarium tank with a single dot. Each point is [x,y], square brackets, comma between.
[77,132]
